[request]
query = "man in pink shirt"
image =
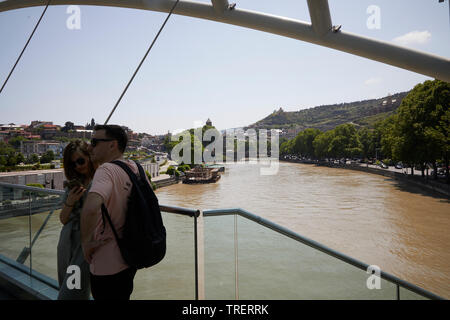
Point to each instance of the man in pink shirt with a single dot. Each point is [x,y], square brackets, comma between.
[111,277]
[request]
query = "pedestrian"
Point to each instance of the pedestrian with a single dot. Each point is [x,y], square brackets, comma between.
[79,170]
[111,278]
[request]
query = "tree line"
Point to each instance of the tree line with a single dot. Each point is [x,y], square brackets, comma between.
[417,134]
[10,157]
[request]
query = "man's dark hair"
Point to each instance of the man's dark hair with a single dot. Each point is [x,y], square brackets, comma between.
[116,132]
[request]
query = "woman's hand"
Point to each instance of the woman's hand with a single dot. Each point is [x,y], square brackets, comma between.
[74,195]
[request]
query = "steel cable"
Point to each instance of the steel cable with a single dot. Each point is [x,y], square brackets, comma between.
[26,45]
[142,61]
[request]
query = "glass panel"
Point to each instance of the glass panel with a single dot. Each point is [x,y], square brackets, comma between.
[219,257]
[406,294]
[274,266]
[46,228]
[174,276]
[14,224]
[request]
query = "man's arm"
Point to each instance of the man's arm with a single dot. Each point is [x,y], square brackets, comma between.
[89,216]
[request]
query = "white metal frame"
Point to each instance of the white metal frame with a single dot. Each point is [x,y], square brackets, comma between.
[319,31]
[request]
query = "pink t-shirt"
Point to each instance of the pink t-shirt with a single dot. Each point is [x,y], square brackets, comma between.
[112,183]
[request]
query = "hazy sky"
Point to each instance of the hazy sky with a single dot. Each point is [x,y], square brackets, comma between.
[200,69]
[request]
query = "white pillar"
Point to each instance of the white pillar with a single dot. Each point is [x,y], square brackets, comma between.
[220,5]
[319,11]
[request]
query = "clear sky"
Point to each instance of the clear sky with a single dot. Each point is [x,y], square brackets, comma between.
[200,69]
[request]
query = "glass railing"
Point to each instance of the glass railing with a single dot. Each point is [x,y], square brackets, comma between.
[24,214]
[214,254]
[29,218]
[248,257]
[174,277]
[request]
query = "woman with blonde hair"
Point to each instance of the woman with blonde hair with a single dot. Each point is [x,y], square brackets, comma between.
[79,170]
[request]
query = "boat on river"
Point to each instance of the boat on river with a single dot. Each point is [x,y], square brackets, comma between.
[201,175]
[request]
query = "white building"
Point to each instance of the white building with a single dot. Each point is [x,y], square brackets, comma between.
[152,168]
[40,147]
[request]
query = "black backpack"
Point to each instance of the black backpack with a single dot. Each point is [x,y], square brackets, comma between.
[143,243]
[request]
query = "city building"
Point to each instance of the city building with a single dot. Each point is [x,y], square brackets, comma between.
[52,179]
[40,147]
[38,124]
[49,131]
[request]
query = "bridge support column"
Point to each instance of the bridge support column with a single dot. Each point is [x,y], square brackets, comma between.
[319,11]
[220,5]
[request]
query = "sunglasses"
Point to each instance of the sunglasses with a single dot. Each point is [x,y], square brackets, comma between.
[95,141]
[79,162]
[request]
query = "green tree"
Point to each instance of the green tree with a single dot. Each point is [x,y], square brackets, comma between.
[308,137]
[385,138]
[421,131]
[33,158]
[8,155]
[322,144]
[20,158]
[15,141]
[287,147]
[303,142]
[47,157]
[345,143]
[366,138]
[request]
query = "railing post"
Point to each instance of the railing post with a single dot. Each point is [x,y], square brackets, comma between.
[29,230]
[196,254]
[199,256]
[236,258]
[398,292]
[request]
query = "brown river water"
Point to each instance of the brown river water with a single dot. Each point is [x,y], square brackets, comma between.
[400,228]
[380,221]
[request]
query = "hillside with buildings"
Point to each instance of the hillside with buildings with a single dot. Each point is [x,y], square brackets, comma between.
[32,154]
[360,113]
[40,145]
[39,137]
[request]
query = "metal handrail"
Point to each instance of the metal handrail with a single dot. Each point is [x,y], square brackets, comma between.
[163,208]
[314,244]
[33,189]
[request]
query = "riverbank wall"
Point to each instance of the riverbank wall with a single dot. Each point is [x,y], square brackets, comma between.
[165,180]
[426,183]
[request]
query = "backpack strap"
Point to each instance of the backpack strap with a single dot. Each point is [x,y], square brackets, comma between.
[141,170]
[134,181]
[128,170]
[108,217]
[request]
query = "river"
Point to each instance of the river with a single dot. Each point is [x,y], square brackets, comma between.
[380,221]
[400,228]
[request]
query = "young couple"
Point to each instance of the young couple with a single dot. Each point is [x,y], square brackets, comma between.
[86,241]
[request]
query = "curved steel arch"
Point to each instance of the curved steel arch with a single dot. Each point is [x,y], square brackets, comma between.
[319,32]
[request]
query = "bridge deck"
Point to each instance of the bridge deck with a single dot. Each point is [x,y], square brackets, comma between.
[17,284]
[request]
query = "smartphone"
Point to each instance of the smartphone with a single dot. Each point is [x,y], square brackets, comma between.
[72,184]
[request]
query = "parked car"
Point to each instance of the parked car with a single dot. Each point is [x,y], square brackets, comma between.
[383,165]
[440,172]
[399,166]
